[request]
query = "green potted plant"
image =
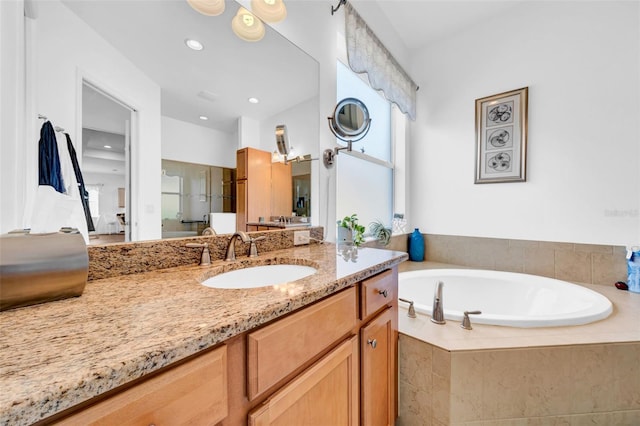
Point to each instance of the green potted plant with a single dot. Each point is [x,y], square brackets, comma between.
[356,231]
[381,232]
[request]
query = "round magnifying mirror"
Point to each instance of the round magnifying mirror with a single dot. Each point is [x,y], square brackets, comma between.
[350,121]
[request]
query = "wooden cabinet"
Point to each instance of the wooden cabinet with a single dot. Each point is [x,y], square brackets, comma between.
[253,186]
[277,350]
[379,348]
[378,370]
[281,190]
[194,392]
[325,394]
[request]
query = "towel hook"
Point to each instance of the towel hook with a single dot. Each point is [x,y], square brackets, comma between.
[335,9]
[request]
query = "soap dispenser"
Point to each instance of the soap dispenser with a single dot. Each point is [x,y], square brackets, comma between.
[633,269]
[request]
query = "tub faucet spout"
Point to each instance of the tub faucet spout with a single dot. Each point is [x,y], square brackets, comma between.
[437,313]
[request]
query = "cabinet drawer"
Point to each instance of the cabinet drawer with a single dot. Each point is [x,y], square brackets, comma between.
[325,394]
[377,292]
[277,350]
[192,393]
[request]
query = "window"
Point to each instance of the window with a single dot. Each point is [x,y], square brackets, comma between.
[171,189]
[365,176]
[94,199]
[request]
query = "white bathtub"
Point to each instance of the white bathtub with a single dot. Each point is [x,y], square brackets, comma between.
[505,298]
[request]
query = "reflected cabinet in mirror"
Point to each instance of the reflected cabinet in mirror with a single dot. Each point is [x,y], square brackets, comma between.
[173,105]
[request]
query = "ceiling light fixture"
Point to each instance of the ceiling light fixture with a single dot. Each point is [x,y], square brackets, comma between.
[208,7]
[108,146]
[193,44]
[253,100]
[204,117]
[246,26]
[269,10]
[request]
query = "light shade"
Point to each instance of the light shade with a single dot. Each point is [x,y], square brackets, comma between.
[246,26]
[208,7]
[269,10]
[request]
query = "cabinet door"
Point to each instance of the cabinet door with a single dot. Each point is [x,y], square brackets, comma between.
[192,393]
[281,190]
[325,394]
[242,163]
[241,205]
[378,371]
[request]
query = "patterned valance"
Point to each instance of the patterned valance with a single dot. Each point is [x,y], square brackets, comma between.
[366,53]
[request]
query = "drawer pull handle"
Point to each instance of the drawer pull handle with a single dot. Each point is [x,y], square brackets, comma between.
[373,343]
[384,292]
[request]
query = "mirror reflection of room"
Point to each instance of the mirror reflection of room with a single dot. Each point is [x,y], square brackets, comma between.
[196,197]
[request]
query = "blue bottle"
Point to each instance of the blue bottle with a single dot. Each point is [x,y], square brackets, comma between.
[633,270]
[416,246]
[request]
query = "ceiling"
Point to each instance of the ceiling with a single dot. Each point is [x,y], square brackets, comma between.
[420,22]
[152,34]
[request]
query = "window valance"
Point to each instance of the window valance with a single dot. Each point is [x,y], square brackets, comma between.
[367,54]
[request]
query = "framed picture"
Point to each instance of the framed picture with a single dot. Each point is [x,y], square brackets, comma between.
[501,137]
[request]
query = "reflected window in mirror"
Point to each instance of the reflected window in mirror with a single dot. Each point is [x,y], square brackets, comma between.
[365,175]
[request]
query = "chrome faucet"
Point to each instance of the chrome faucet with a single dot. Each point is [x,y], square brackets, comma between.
[437,313]
[231,248]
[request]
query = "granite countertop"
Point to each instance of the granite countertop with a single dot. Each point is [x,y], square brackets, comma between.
[56,355]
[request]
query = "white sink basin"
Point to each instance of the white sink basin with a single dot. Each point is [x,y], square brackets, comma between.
[259,276]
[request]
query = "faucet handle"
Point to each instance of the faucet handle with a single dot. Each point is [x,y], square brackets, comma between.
[466,322]
[205,259]
[253,248]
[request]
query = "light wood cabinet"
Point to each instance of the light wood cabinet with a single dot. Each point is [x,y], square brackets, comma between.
[281,190]
[377,367]
[253,186]
[277,350]
[325,394]
[194,392]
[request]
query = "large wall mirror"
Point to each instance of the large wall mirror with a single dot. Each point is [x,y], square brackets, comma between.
[182,105]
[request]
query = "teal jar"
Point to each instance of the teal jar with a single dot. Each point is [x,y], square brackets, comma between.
[416,246]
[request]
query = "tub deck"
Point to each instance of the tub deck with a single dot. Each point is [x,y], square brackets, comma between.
[623,325]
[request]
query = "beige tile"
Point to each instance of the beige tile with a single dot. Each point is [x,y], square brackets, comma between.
[441,363]
[440,399]
[625,418]
[539,261]
[414,405]
[548,381]
[510,259]
[573,266]
[625,359]
[549,421]
[620,418]
[504,390]
[608,268]
[466,386]
[556,245]
[594,248]
[592,376]
[524,244]
[414,362]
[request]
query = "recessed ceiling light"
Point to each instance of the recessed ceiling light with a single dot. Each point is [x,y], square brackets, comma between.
[108,146]
[193,44]
[253,100]
[204,117]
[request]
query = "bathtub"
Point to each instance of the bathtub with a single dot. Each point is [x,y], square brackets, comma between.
[505,298]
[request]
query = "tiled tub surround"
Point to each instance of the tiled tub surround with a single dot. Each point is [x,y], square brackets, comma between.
[56,355]
[584,263]
[492,375]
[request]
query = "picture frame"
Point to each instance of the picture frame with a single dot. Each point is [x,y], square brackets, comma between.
[501,137]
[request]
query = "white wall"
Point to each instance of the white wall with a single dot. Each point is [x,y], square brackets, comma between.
[302,128]
[182,141]
[580,61]
[109,184]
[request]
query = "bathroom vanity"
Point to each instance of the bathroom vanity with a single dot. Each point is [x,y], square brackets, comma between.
[159,347]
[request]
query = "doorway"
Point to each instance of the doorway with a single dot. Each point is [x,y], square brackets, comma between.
[106,163]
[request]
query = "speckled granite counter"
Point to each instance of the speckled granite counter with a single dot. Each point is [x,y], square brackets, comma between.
[57,355]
